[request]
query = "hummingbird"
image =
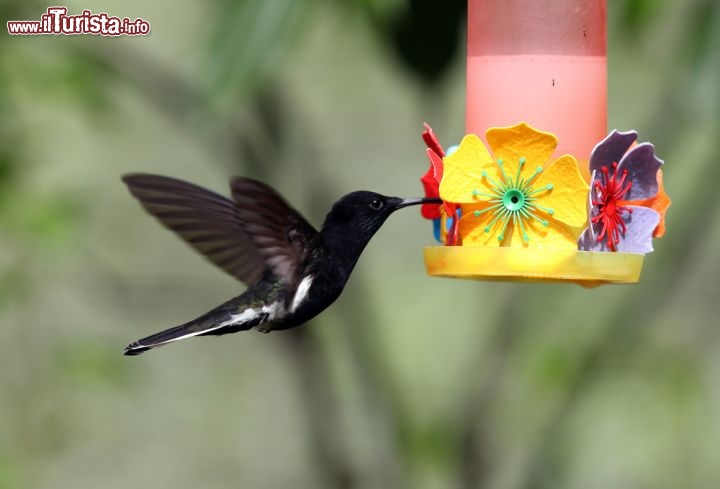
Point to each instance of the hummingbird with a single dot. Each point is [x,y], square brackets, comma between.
[292,271]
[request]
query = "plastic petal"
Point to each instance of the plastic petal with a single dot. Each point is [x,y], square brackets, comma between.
[431,141]
[642,166]
[569,193]
[640,227]
[431,184]
[660,202]
[436,164]
[637,238]
[430,211]
[463,171]
[554,236]
[587,240]
[611,149]
[509,144]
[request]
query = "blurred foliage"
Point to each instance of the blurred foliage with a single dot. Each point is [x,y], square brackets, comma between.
[428,39]
[406,381]
[247,36]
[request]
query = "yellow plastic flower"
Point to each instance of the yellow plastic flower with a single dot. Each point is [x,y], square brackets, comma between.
[513,197]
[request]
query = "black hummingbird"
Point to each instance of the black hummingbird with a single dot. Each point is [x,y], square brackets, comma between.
[293,272]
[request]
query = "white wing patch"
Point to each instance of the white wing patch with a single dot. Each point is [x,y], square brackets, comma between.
[247,315]
[269,311]
[302,293]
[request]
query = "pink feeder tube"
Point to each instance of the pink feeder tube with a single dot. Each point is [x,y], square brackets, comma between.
[543,62]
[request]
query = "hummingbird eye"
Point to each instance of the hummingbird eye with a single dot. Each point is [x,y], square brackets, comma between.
[376,204]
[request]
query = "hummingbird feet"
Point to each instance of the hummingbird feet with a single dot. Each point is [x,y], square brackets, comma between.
[264,326]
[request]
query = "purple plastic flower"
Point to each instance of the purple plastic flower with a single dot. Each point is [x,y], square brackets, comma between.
[621,177]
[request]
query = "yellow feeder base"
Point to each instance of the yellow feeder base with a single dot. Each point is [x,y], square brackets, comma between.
[585,268]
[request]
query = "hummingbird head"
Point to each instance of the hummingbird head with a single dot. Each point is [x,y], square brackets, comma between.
[365,212]
[357,216]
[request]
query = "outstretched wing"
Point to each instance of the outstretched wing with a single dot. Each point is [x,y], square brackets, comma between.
[205,220]
[281,235]
[257,230]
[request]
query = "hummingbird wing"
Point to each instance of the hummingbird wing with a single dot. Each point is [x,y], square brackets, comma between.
[245,236]
[207,221]
[281,234]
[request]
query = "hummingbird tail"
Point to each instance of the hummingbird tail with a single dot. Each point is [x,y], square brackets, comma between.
[160,339]
[213,323]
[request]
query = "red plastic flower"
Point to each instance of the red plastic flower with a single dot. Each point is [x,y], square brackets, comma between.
[431,179]
[431,182]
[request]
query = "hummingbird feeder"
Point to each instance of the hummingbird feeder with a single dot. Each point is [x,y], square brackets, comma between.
[537,190]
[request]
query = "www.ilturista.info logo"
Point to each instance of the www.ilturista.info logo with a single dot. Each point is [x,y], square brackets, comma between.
[57,21]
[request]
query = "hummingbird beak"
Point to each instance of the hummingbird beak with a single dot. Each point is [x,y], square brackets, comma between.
[407,202]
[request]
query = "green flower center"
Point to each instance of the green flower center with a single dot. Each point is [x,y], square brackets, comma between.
[513,200]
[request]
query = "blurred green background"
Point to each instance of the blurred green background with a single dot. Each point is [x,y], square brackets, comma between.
[407,381]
